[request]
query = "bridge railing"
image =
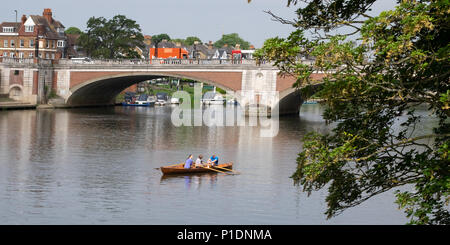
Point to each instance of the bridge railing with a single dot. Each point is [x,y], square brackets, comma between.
[9,60]
[158,62]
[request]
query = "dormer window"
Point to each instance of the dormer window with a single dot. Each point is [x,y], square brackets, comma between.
[60,30]
[8,29]
[29,28]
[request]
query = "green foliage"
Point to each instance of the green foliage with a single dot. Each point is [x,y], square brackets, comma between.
[52,94]
[399,61]
[111,39]
[158,38]
[190,40]
[179,40]
[73,30]
[231,40]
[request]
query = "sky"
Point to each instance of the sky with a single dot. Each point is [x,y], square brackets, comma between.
[206,19]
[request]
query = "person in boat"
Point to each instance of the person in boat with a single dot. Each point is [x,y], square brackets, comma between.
[189,162]
[213,161]
[199,161]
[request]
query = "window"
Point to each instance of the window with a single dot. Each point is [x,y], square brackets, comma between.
[21,55]
[22,43]
[11,55]
[40,55]
[5,43]
[31,43]
[8,29]
[30,55]
[47,56]
[53,43]
[48,43]
[53,56]
[5,54]
[16,72]
[12,43]
[61,44]
[29,28]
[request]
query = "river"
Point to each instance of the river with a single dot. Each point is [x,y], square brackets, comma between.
[99,166]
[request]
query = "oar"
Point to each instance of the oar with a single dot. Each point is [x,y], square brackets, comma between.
[237,172]
[171,165]
[216,170]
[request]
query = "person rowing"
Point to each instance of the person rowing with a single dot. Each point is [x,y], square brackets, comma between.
[189,162]
[199,161]
[214,160]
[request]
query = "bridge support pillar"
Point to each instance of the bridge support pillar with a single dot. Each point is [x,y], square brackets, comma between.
[258,95]
[44,86]
[4,81]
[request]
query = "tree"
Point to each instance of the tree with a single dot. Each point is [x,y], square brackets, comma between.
[191,40]
[112,39]
[383,68]
[73,30]
[179,40]
[157,39]
[231,40]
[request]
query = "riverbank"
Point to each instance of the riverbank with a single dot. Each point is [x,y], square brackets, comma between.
[15,105]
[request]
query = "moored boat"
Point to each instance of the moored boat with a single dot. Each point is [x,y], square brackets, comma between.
[179,169]
[135,104]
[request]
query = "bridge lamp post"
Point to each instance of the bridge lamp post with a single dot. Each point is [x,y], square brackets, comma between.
[15,44]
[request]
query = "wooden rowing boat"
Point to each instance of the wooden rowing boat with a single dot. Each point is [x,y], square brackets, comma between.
[179,169]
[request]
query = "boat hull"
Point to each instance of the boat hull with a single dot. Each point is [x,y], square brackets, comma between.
[179,169]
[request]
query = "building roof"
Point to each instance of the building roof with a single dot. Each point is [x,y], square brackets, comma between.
[48,30]
[16,25]
[202,49]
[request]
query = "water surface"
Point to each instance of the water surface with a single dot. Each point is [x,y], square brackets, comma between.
[97,166]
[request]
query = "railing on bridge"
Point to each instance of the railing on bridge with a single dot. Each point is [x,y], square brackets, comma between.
[88,61]
[146,62]
[161,62]
[9,60]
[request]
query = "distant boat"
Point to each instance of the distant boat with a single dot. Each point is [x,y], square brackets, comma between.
[160,102]
[131,104]
[175,101]
[161,98]
[142,100]
[232,102]
[310,102]
[213,98]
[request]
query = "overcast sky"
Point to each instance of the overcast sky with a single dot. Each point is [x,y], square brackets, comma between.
[206,19]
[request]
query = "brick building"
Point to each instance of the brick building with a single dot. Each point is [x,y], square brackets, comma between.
[34,33]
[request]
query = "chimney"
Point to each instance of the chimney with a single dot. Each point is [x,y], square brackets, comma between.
[24,19]
[210,45]
[48,15]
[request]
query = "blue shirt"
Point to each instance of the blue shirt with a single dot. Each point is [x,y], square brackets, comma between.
[216,159]
[188,163]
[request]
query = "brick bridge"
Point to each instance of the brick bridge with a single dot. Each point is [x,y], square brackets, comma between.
[98,82]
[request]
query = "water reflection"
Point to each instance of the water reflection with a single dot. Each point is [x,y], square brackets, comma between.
[97,166]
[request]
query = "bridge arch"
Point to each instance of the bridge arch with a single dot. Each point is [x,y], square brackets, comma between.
[16,92]
[103,90]
[291,99]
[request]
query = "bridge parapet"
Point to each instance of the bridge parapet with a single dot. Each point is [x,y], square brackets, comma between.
[164,61]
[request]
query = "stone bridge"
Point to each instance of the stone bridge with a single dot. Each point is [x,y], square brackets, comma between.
[98,82]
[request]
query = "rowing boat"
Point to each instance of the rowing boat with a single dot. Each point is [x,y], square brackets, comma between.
[179,169]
